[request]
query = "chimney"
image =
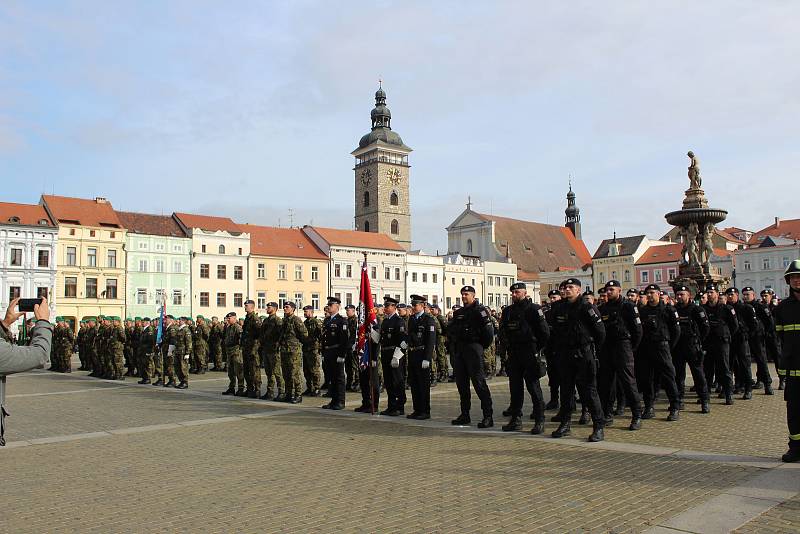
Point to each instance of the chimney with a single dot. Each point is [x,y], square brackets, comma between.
[777,222]
[101,200]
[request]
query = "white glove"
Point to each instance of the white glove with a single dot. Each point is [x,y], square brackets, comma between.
[186,357]
[395,362]
[340,360]
[426,364]
[403,345]
[375,335]
[355,346]
[373,363]
[398,354]
[170,350]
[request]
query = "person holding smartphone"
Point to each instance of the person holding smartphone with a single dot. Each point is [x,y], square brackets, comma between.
[17,359]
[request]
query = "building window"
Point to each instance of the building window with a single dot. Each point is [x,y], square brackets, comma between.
[72,231]
[204,299]
[366,226]
[222,249]
[14,292]
[222,300]
[397,273]
[203,249]
[627,275]
[765,264]
[160,247]
[222,272]
[142,245]
[161,296]
[282,298]
[261,300]
[348,298]
[112,258]
[387,273]
[177,267]
[614,275]
[262,273]
[315,301]
[657,275]
[238,300]
[348,269]
[747,266]
[393,200]
[448,302]
[366,198]
[298,300]
[91,288]
[785,262]
[91,257]
[671,273]
[91,233]
[473,282]
[41,292]
[159,266]
[141,296]
[177,248]
[203,270]
[71,286]
[373,271]
[177,297]
[337,270]
[469,246]
[43,259]
[314,274]
[645,277]
[497,281]
[142,266]
[395,227]
[298,272]
[602,278]
[16,257]
[413,277]
[238,272]
[491,299]
[282,271]
[435,277]
[424,278]
[374,299]
[338,296]
[111,288]
[112,234]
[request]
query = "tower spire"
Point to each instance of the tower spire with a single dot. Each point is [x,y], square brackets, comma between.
[572,215]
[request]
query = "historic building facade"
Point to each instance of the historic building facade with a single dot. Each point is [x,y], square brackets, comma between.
[424,275]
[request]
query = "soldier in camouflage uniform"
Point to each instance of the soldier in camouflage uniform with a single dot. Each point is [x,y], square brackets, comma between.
[101,348]
[116,348]
[201,334]
[489,354]
[67,343]
[145,350]
[500,344]
[215,337]
[233,351]
[311,367]
[249,341]
[293,335]
[97,345]
[55,360]
[441,352]
[351,365]
[270,352]
[79,341]
[169,336]
[128,347]
[183,352]
[90,360]
[434,363]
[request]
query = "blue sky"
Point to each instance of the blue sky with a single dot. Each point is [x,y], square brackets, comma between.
[250,109]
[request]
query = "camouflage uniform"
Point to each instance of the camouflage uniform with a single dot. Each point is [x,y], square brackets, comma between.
[293,334]
[90,358]
[201,335]
[169,337]
[80,342]
[67,341]
[311,367]
[270,355]
[489,355]
[251,359]
[215,336]
[434,368]
[183,351]
[352,364]
[128,350]
[233,350]
[116,350]
[441,351]
[145,350]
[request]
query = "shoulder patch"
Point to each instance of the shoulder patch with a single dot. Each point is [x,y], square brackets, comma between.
[483,313]
[702,313]
[433,329]
[733,312]
[344,327]
[676,315]
[541,313]
[638,320]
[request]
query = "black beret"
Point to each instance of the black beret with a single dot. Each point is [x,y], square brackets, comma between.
[652,287]
[309,307]
[562,285]
[748,288]
[518,285]
[632,291]
[681,287]
[731,291]
[389,300]
[272,304]
[642,293]
[601,291]
[145,318]
[334,300]
[350,307]
[249,301]
[553,293]
[588,292]
[230,314]
[170,316]
[712,287]
[434,306]
[456,307]
[467,289]
[662,292]
[613,283]
[290,303]
[700,293]
[572,281]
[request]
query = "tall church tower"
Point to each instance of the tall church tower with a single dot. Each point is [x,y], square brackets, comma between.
[572,214]
[382,201]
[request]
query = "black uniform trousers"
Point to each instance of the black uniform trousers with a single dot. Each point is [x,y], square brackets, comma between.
[336,379]
[467,362]
[654,360]
[759,352]
[791,394]
[420,381]
[681,357]
[774,349]
[394,381]
[717,363]
[370,386]
[616,369]
[522,367]
[578,367]
[740,356]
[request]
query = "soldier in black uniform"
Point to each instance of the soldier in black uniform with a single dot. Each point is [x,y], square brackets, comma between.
[773,345]
[689,350]
[623,334]
[392,337]
[524,329]
[421,347]
[758,335]
[335,340]
[577,329]
[553,296]
[470,332]
[740,342]
[660,332]
[351,364]
[717,344]
[787,325]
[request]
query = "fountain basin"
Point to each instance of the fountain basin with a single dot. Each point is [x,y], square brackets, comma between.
[696,215]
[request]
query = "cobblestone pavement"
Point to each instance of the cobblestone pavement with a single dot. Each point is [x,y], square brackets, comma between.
[92,455]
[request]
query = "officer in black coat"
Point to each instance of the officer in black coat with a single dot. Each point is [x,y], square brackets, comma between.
[723,325]
[689,349]
[553,296]
[577,329]
[334,350]
[740,342]
[758,338]
[421,347]
[623,334]
[771,339]
[523,330]
[660,333]
[393,339]
[470,333]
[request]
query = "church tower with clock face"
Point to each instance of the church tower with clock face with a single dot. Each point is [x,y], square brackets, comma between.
[381,173]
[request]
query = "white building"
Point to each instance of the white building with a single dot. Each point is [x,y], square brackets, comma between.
[386,260]
[498,277]
[28,239]
[460,271]
[762,267]
[425,276]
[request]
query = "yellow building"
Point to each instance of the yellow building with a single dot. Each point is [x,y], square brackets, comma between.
[90,257]
[285,265]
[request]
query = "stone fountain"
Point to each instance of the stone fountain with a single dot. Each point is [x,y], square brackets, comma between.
[696,225]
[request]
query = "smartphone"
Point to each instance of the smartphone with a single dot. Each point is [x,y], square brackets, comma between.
[26,305]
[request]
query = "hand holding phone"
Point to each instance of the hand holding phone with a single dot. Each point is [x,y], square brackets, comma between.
[27,305]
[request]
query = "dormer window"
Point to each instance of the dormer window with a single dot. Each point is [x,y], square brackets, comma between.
[13,219]
[43,222]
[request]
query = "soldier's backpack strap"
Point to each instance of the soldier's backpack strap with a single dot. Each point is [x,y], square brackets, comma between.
[3,412]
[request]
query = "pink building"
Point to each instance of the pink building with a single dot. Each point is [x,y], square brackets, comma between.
[658,265]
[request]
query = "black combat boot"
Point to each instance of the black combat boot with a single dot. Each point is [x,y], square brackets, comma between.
[144,381]
[648,412]
[564,429]
[507,412]
[597,433]
[791,456]
[257,393]
[486,422]
[729,399]
[158,382]
[183,385]
[538,428]
[608,420]
[705,407]
[514,425]
[462,419]
[240,392]
[171,383]
[267,395]
[553,403]
[229,391]
[781,383]
[636,422]
[584,419]
[758,385]
[747,395]
[768,389]
[297,399]
[673,414]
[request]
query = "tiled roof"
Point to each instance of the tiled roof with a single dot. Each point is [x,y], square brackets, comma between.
[722,252]
[789,229]
[30,214]
[281,243]
[661,254]
[144,223]
[537,247]
[628,245]
[728,236]
[354,238]
[209,223]
[82,211]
